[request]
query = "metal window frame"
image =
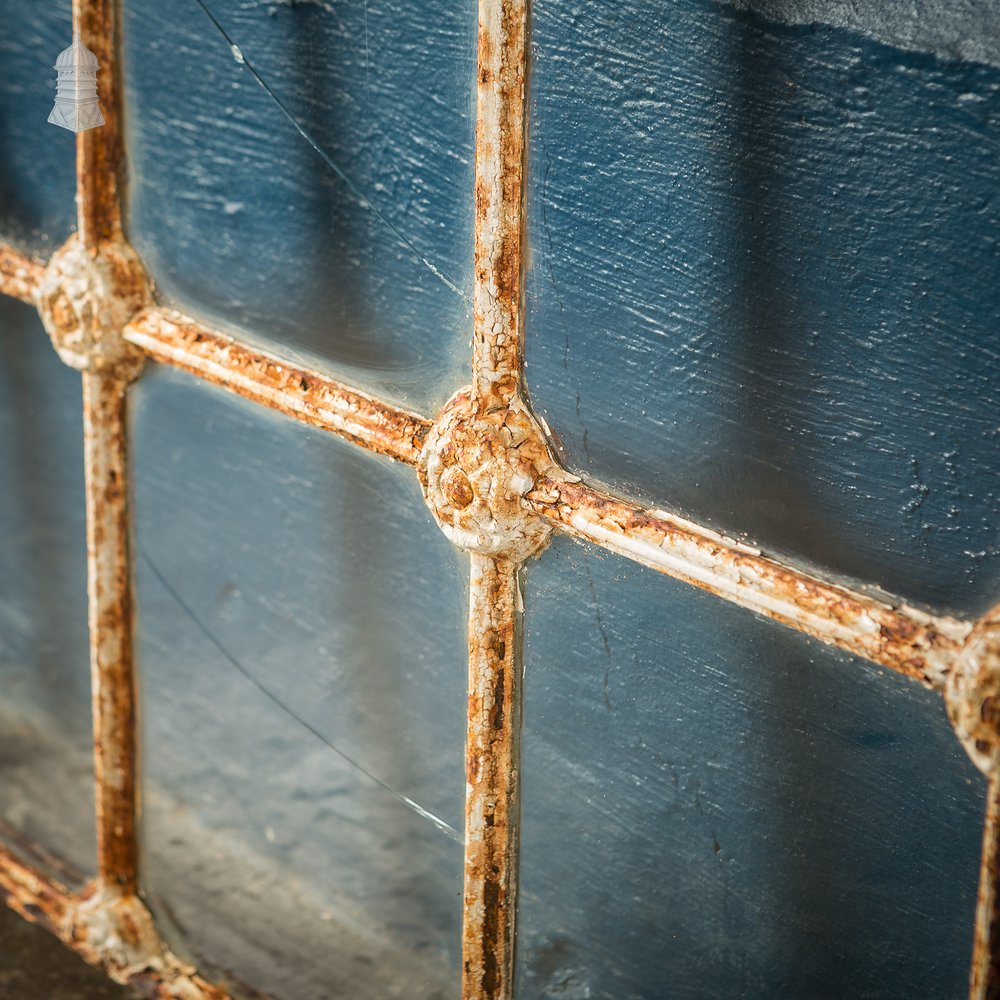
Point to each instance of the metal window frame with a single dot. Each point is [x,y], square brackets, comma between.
[95,302]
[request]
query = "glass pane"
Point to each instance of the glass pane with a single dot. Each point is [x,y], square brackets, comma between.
[303,677]
[46,784]
[37,160]
[717,807]
[765,286]
[347,267]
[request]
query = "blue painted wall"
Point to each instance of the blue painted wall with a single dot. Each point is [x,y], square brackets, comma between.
[765,282]
[37,160]
[716,807]
[261,234]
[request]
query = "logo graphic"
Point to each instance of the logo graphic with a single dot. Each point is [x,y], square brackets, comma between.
[76,106]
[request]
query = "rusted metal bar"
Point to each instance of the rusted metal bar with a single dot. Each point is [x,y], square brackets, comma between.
[35,897]
[306,395]
[48,903]
[904,639]
[493,779]
[100,153]
[499,201]
[20,275]
[110,614]
[984,977]
[495,663]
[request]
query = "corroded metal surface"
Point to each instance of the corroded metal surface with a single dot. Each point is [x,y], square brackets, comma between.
[116,932]
[110,615]
[475,472]
[972,694]
[984,976]
[39,899]
[916,644]
[306,395]
[475,481]
[20,276]
[492,775]
[490,481]
[85,298]
[499,200]
[972,697]
[100,153]
[111,931]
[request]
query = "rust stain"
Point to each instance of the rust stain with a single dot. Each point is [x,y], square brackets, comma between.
[85,298]
[904,639]
[34,896]
[491,482]
[45,901]
[972,694]
[493,773]
[110,617]
[100,152]
[984,975]
[307,396]
[475,470]
[20,275]
[499,201]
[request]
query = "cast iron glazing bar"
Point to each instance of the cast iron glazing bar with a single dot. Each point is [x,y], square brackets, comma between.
[32,895]
[984,977]
[904,639]
[499,201]
[910,641]
[20,276]
[493,778]
[110,616]
[100,153]
[305,395]
[99,165]
[50,904]
[494,724]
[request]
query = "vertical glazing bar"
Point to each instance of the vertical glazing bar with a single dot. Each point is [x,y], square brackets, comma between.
[493,742]
[984,980]
[497,295]
[110,616]
[99,160]
[493,766]
[99,151]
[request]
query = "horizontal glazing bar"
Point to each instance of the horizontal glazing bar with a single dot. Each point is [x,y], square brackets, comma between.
[306,395]
[905,639]
[20,276]
[50,904]
[35,897]
[888,632]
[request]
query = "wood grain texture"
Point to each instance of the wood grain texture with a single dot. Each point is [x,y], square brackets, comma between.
[765,288]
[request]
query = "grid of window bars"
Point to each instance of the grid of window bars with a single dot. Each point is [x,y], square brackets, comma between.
[107,922]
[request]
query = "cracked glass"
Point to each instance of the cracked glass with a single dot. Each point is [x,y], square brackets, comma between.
[716,806]
[46,760]
[348,248]
[302,657]
[764,287]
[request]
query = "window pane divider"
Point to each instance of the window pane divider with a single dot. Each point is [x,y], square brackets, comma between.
[959,658]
